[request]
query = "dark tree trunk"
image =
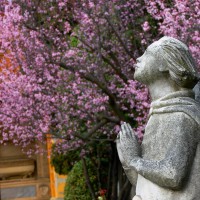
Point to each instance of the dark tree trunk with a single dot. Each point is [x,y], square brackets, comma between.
[114,172]
[124,189]
[88,182]
[119,187]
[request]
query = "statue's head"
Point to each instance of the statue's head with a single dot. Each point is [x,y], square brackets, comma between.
[167,57]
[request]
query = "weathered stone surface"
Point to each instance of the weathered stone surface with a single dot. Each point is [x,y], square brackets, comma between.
[168,161]
[197,91]
[137,198]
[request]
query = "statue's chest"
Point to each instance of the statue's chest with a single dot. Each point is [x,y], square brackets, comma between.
[157,137]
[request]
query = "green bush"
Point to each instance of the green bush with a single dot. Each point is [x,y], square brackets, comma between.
[63,162]
[97,161]
[76,188]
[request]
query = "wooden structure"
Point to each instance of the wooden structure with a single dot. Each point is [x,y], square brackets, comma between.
[21,177]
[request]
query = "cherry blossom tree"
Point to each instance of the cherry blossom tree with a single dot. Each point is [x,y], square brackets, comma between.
[179,19]
[73,73]
[75,62]
[71,66]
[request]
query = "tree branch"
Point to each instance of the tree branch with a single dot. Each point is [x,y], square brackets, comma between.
[112,98]
[123,189]
[95,128]
[111,119]
[118,37]
[87,178]
[117,70]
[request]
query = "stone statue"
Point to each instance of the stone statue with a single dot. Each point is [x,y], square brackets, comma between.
[197,91]
[167,163]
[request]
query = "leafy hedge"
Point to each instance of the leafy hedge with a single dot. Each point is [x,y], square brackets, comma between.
[76,188]
[64,162]
[97,161]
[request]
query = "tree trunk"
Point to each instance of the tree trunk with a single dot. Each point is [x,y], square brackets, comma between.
[119,187]
[124,186]
[88,182]
[114,173]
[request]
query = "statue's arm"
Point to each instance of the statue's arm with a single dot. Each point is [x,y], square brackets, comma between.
[172,170]
[130,172]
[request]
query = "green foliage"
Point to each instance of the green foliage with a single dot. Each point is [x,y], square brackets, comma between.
[74,41]
[76,188]
[63,163]
[97,163]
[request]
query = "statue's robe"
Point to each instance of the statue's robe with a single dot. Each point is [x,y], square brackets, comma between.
[173,119]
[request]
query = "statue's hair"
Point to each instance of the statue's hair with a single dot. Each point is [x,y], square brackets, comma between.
[176,58]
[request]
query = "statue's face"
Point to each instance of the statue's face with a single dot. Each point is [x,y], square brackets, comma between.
[147,67]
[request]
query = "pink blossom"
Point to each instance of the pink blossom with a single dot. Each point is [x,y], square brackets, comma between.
[146,26]
[72,68]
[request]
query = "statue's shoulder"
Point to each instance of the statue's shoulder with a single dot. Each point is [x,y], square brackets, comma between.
[179,105]
[172,117]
